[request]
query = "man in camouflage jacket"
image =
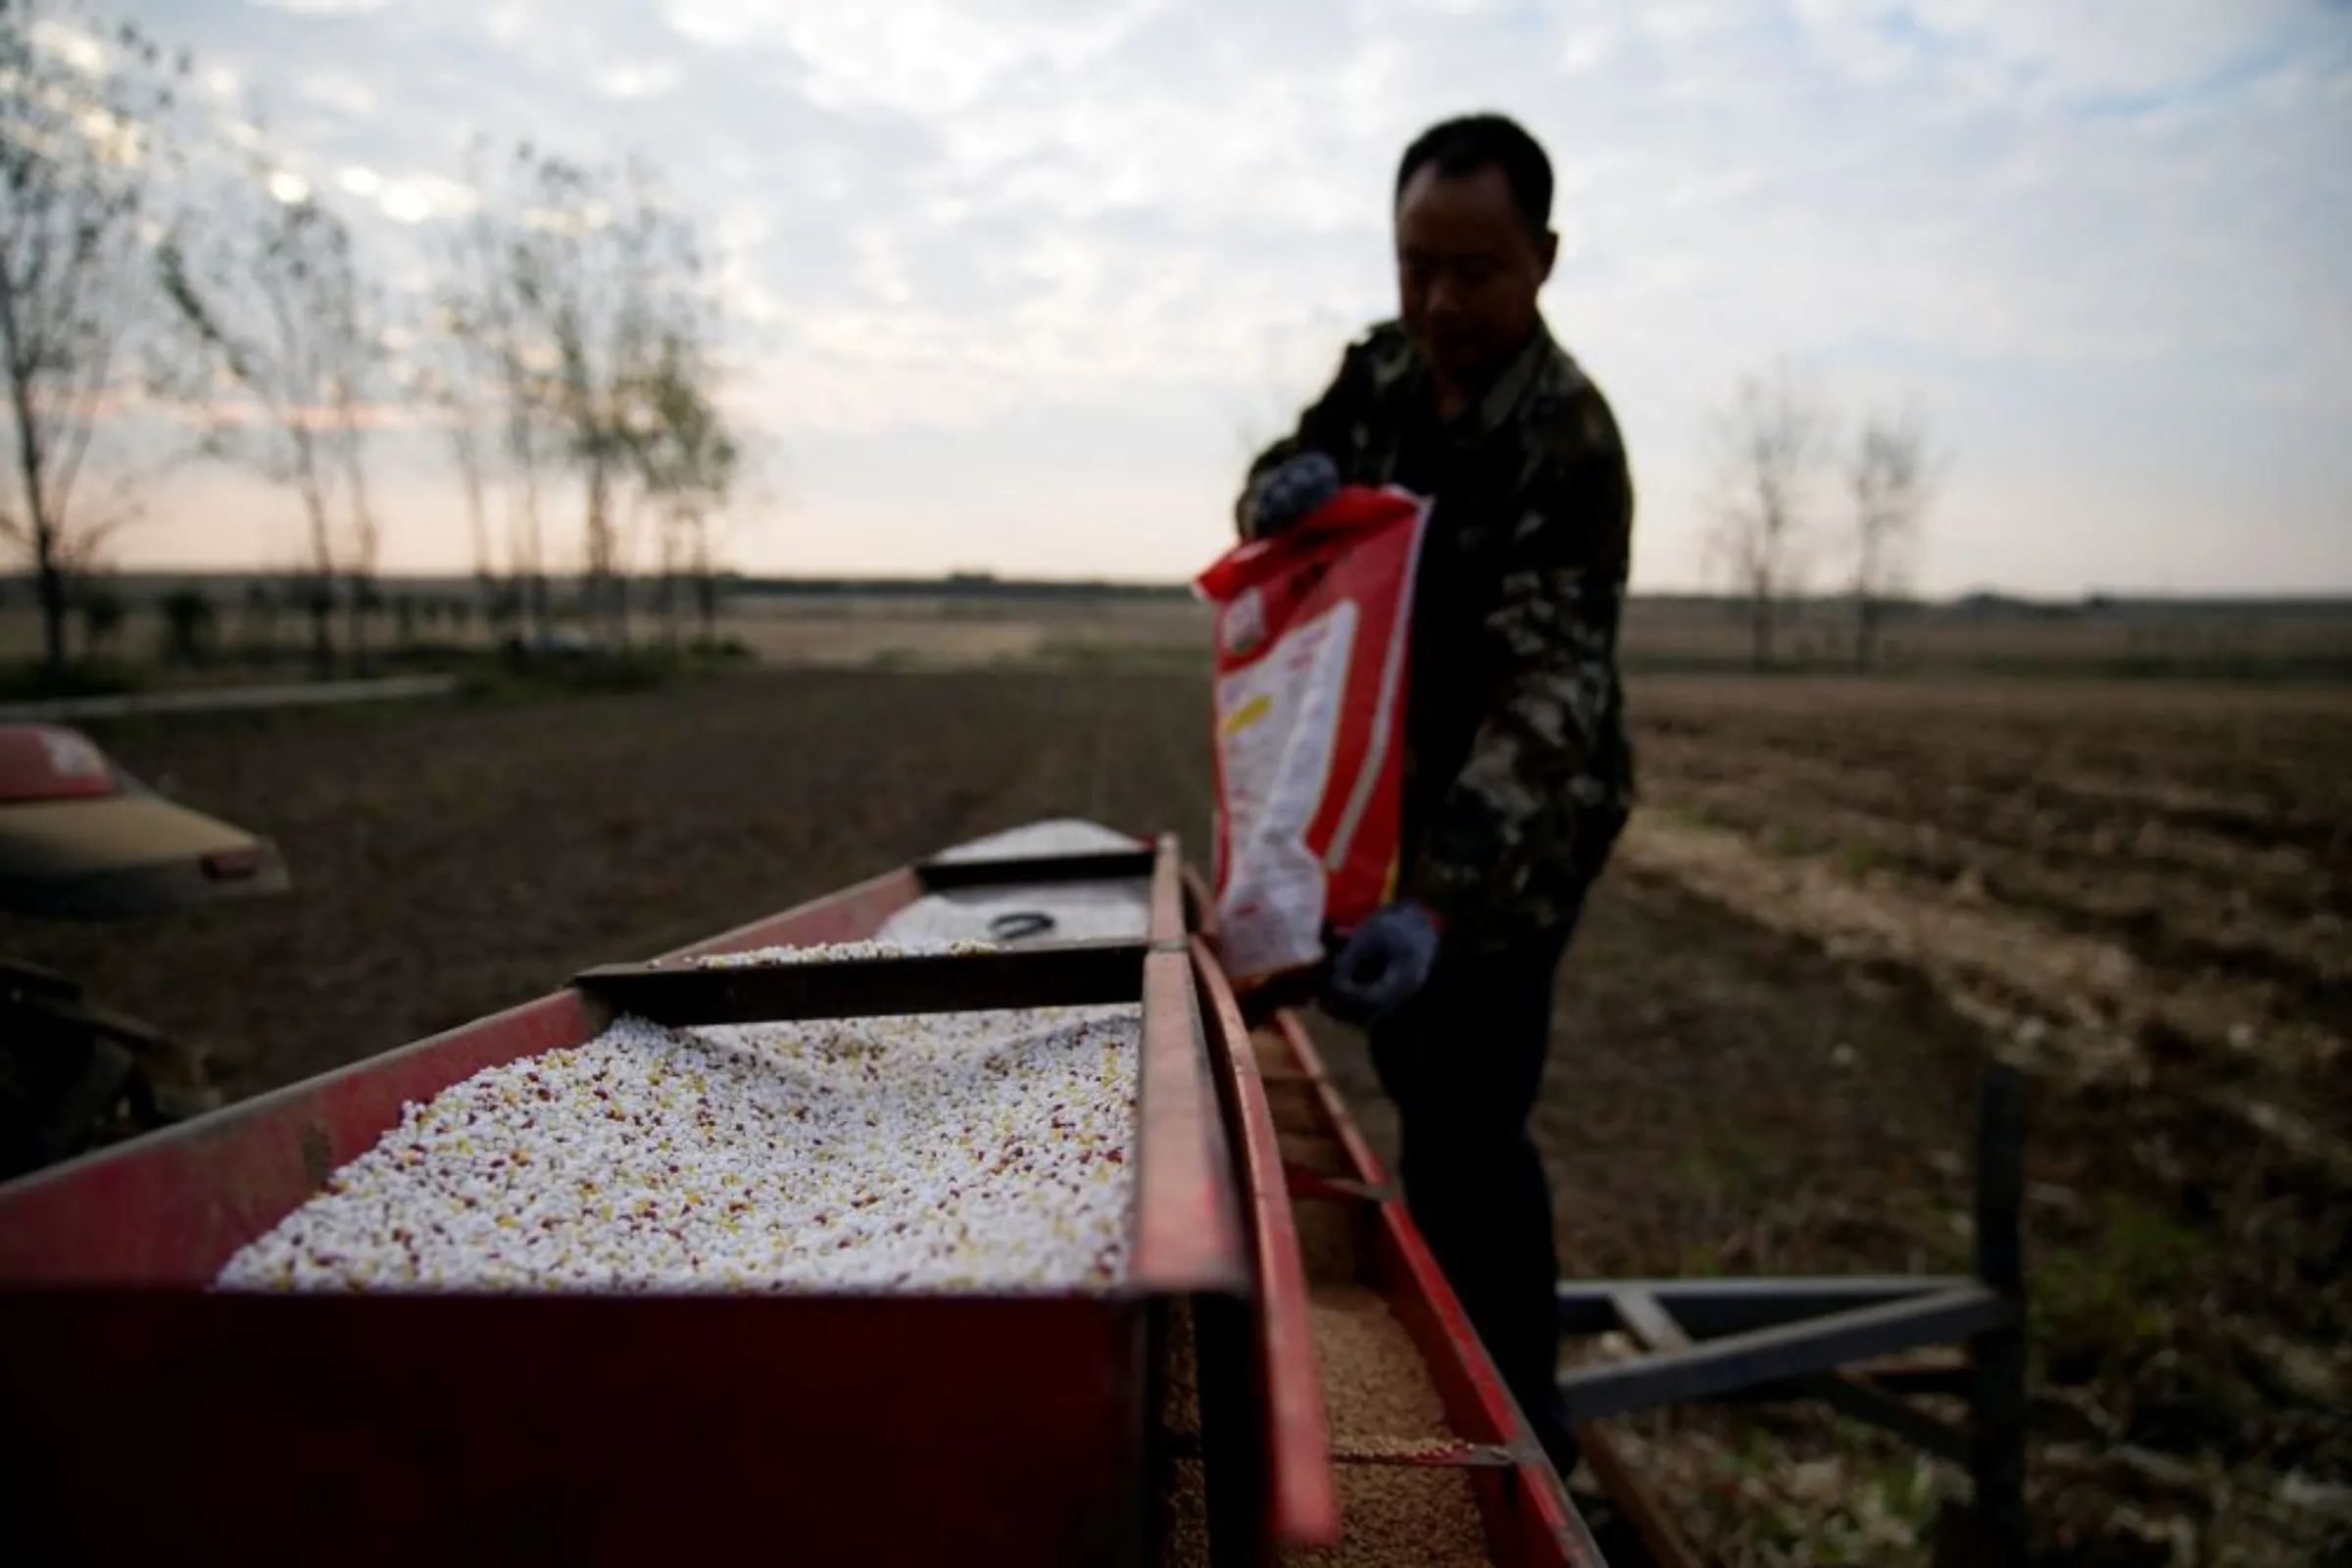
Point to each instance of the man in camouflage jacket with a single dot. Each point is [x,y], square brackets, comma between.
[1518,772]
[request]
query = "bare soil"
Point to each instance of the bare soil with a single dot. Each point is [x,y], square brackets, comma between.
[1837,900]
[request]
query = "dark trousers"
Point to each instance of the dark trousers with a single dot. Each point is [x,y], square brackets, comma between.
[1464,1062]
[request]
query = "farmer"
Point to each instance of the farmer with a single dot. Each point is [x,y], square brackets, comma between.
[1517,772]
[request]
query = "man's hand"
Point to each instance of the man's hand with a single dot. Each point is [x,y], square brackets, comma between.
[1289,491]
[1382,965]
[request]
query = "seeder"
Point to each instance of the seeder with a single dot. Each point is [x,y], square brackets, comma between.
[1274,1371]
[1267,1366]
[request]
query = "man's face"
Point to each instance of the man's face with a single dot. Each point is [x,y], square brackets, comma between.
[1467,269]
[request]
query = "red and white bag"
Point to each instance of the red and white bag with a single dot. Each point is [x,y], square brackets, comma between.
[1313,632]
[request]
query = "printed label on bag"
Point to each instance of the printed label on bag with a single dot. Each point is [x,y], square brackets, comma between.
[1311,634]
[1278,723]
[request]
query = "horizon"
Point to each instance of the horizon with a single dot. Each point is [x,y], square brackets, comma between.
[2089,598]
[1017,292]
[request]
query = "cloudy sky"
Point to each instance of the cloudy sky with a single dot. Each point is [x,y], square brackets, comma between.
[1015,282]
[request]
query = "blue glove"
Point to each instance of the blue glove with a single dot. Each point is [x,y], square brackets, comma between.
[1290,490]
[1382,965]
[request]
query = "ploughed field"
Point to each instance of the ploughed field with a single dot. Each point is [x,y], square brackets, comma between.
[1837,897]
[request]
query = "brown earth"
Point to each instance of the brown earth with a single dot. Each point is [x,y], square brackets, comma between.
[1837,899]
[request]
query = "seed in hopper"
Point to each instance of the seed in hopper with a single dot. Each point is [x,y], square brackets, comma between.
[943,1152]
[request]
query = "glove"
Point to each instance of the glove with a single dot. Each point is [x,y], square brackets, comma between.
[1290,490]
[1382,965]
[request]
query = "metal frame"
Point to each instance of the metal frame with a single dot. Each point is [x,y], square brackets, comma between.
[956,874]
[102,1263]
[1072,974]
[1762,1340]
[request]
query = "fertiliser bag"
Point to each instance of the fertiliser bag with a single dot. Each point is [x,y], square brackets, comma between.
[1311,635]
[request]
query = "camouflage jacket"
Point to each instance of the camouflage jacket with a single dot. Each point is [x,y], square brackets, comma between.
[1518,770]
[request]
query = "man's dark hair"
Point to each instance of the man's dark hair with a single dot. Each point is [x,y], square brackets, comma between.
[1472,142]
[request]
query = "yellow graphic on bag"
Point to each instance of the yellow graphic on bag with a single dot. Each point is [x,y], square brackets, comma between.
[1249,714]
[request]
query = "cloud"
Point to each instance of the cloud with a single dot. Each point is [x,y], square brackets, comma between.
[415,198]
[2077,234]
[70,44]
[339,91]
[636,80]
[323,8]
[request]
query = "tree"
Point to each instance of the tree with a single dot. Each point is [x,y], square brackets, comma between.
[363,602]
[564,295]
[1769,442]
[102,613]
[496,371]
[689,461]
[188,621]
[356,381]
[313,598]
[1888,471]
[279,313]
[608,280]
[79,107]
[450,382]
[503,617]
[705,565]
[259,621]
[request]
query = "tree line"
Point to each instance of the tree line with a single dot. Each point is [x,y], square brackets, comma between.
[1778,448]
[166,298]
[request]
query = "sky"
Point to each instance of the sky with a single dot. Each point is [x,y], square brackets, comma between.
[1016,284]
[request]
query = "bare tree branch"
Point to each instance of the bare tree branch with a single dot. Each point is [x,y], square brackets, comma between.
[79,155]
[600,277]
[1891,475]
[273,301]
[481,316]
[1769,442]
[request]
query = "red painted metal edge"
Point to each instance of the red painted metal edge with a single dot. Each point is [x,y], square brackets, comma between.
[1187,1214]
[1302,1502]
[1200,904]
[1529,1521]
[1167,890]
[1188,1222]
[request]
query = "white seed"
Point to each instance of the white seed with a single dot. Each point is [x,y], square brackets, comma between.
[949,1151]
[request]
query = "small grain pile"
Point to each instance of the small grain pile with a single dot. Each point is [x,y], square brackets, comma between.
[1373,1381]
[956,1152]
[1380,1402]
[1401,1516]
